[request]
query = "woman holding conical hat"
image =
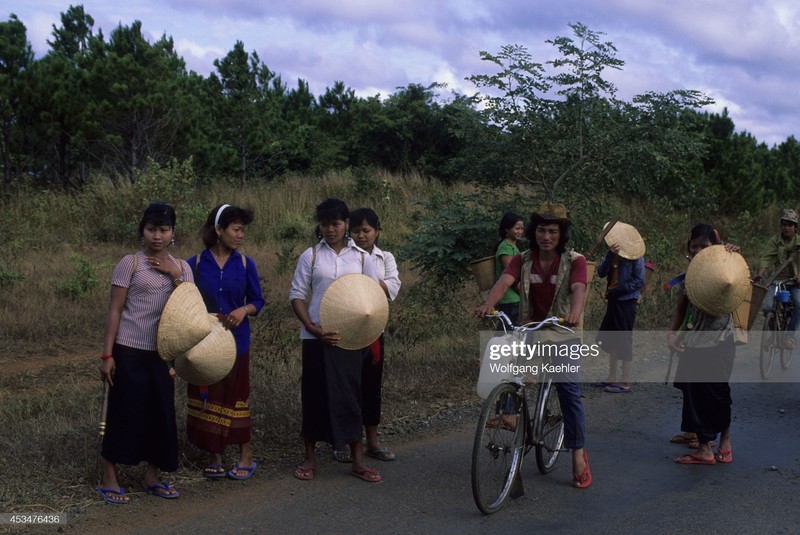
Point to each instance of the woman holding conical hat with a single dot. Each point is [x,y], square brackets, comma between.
[331,380]
[717,281]
[219,414]
[623,267]
[141,422]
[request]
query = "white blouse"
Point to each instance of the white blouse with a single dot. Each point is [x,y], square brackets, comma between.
[386,268]
[328,266]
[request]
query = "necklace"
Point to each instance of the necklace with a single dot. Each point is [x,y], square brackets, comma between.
[220,257]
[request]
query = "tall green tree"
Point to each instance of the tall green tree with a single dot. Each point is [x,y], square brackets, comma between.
[247,107]
[138,94]
[16,56]
[57,99]
[559,122]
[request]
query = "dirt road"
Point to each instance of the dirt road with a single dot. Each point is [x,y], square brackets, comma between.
[637,486]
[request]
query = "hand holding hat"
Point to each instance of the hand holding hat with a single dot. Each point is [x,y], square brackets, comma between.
[355,307]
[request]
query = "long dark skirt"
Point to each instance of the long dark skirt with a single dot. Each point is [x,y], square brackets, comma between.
[702,376]
[371,383]
[226,417]
[141,411]
[616,329]
[331,393]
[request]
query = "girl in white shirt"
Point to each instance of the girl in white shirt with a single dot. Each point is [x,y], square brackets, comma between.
[331,381]
[365,227]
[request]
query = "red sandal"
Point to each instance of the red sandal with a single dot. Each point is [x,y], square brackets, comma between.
[585,479]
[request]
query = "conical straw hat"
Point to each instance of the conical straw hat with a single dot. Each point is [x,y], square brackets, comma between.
[717,281]
[211,360]
[355,306]
[631,244]
[184,322]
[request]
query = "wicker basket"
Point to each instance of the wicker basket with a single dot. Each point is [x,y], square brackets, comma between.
[483,271]
[746,314]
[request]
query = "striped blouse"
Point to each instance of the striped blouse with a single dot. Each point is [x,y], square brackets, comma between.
[148,291]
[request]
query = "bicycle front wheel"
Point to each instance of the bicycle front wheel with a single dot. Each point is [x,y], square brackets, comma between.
[770,338]
[497,450]
[548,427]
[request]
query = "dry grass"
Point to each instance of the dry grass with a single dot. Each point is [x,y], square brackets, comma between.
[48,448]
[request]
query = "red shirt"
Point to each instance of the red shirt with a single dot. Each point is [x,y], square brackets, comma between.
[543,285]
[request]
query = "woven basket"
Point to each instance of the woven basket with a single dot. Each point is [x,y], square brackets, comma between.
[483,271]
[745,316]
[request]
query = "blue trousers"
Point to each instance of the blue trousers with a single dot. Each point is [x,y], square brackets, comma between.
[569,396]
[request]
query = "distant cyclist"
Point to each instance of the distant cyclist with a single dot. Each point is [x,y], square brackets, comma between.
[778,249]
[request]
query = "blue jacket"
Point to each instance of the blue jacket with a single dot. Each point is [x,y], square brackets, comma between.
[630,276]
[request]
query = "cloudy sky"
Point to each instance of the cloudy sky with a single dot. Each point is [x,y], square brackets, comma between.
[745,54]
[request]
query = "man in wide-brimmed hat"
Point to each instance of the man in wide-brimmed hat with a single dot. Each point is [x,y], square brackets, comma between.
[782,247]
[552,282]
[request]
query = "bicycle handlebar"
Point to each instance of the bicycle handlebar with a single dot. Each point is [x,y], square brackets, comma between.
[552,321]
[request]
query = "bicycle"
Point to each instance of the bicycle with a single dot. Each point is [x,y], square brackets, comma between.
[507,431]
[776,324]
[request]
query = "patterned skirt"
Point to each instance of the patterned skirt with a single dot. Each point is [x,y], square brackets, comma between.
[224,417]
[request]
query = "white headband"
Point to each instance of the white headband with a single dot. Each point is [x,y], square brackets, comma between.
[219,212]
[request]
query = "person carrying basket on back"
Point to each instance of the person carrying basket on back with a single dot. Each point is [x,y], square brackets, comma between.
[778,249]
[552,282]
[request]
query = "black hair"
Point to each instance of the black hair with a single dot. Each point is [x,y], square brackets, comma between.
[157,213]
[707,232]
[359,216]
[508,220]
[563,227]
[331,209]
[230,214]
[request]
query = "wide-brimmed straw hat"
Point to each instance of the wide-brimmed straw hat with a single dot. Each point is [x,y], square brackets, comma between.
[212,359]
[355,306]
[553,212]
[717,281]
[184,322]
[631,244]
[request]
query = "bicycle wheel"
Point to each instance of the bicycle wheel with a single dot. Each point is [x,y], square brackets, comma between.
[787,354]
[769,343]
[548,427]
[497,451]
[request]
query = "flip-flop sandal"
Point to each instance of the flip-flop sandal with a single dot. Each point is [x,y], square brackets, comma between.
[382,454]
[236,468]
[617,389]
[370,475]
[683,438]
[108,494]
[156,488]
[306,474]
[343,456]
[725,456]
[693,458]
[214,471]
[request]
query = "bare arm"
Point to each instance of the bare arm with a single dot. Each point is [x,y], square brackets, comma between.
[118,297]
[300,310]
[495,294]
[576,303]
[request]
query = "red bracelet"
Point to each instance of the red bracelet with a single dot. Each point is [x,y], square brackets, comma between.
[309,325]
[106,357]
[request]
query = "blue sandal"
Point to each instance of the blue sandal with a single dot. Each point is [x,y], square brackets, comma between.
[236,468]
[156,490]
[108,494]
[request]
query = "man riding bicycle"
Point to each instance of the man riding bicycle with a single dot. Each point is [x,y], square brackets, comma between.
[777,251]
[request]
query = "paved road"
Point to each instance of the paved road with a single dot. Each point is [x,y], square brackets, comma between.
[637,487]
